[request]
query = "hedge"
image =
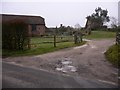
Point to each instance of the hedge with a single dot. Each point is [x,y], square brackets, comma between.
[15,35]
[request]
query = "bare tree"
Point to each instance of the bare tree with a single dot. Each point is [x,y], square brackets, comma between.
[114,22]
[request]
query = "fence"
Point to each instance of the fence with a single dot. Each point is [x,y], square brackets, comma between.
[51,40]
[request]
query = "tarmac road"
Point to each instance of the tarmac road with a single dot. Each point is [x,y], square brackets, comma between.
[15,76]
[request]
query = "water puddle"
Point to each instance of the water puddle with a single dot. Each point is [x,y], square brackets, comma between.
[66,62]
[66,66]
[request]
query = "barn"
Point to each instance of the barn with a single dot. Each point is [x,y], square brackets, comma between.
[36,24]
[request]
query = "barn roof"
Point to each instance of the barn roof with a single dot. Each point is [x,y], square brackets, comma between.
[28,19]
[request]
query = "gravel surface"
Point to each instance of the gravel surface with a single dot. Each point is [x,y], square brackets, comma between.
[88,61]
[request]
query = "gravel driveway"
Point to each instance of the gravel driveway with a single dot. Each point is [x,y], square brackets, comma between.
[86,61]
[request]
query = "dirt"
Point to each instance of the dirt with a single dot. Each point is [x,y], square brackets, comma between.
[89,61]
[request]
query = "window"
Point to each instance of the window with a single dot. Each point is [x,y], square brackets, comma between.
[33,27]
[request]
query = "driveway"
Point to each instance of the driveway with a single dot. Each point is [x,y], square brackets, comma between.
[86,61]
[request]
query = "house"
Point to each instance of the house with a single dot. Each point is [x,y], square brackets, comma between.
[36,24]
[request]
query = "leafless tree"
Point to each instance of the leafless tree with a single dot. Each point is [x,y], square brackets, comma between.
[114,22]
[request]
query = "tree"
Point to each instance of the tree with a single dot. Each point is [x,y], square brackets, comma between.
[114,21]
[77,34]
[98,18]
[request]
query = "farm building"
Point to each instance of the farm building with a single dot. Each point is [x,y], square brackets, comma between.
[36,24]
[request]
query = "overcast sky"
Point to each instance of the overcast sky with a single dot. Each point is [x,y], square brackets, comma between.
[56,12]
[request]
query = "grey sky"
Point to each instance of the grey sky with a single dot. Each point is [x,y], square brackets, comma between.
[55,13]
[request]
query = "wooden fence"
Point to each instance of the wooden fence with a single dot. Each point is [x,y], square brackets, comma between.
[51,40]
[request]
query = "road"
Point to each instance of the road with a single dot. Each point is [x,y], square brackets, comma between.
[89,61]
[15,76]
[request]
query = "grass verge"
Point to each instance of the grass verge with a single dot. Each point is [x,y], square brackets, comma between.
[40,49]
[113,55]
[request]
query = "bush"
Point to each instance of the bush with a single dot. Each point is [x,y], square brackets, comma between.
[15,35]
[113,55]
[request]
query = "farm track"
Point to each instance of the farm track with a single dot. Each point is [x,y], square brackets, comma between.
[89,61]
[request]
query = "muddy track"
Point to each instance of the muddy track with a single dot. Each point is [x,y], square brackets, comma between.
[89,61]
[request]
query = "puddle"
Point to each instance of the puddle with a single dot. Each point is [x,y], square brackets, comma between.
[71,68]
[66,66]
[66,62]
[59,69]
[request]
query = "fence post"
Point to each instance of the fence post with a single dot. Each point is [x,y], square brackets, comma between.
[55,37]
[75,37]
[29,43]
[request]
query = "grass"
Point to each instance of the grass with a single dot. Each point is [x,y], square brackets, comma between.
[40,49]
[100,35]
[43,45]
[39,40]
[113,55]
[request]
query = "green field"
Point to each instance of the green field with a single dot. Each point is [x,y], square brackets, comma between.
[94,35]
[100,35]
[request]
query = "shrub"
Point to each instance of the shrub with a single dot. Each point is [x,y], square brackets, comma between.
[113,55]
[15,35]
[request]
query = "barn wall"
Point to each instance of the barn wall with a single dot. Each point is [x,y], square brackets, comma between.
[30,30]
[40,29]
